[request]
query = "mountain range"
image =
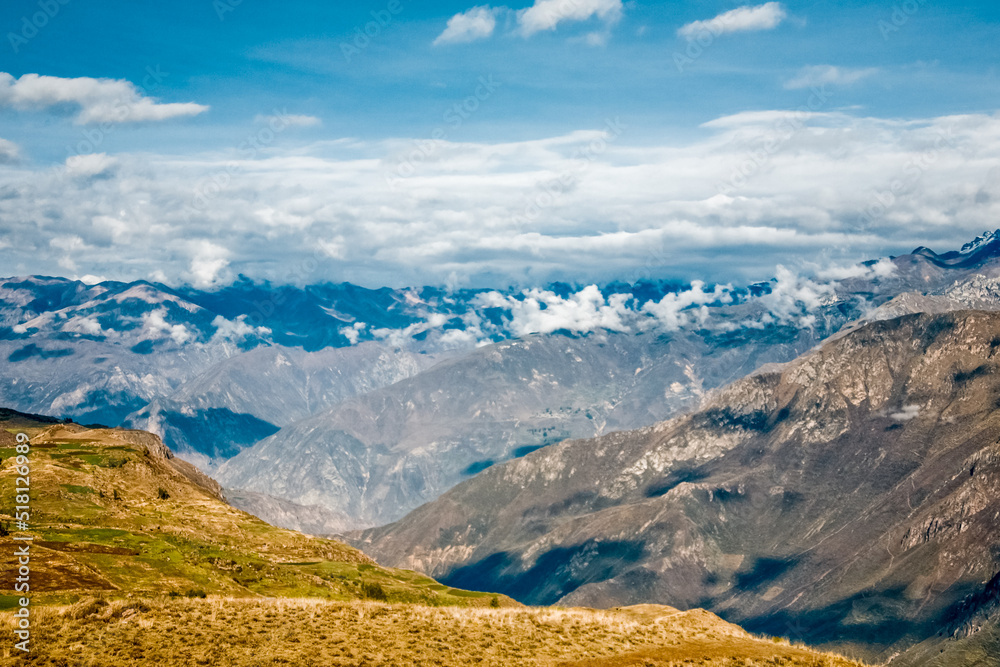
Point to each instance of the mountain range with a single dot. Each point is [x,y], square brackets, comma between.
[361,404]
[848,498]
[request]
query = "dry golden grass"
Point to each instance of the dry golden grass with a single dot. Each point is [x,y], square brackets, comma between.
[264,632]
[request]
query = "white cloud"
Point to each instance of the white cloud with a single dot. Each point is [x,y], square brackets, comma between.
[90,165]
[793,298]
[84,325]
[235,330]
[155,325]
[100,100]
[476,23]
[742,19]
[208,261]
[674,312]
[548,14]
[71,246]
[520,212]
[289,120]
[9,152]
[353,332]
[907,413]
[818,75]
[541,311]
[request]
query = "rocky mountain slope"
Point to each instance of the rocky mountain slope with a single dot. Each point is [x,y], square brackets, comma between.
[377,456]
[849,498]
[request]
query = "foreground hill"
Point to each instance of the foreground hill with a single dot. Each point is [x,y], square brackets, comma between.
[849,498]
[115,513]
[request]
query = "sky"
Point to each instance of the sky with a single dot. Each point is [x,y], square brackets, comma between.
[449,143]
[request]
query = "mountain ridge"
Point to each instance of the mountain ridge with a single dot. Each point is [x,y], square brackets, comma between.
[729,507]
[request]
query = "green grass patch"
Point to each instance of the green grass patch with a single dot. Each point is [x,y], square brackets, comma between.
[95,535]
[459,593]
[73,488]
[10,601]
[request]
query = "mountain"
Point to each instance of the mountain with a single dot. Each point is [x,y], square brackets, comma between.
[136,559]
[332,378]
[245,398]
[848,498]
[381,454]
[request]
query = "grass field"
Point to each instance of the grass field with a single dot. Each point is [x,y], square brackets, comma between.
[304,633]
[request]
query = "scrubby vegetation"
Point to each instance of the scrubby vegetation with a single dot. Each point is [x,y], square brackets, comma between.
[254,633]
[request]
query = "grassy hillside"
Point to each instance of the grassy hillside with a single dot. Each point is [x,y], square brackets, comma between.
[113,513]
[245,633]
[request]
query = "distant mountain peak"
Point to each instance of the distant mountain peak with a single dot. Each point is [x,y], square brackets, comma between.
[980,241]
[972,255]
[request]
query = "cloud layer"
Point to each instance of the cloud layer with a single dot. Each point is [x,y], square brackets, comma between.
[758,189]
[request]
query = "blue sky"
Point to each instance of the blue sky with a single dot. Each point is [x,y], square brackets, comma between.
[538,81]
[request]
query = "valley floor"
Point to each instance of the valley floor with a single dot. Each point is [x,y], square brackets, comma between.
[259,632]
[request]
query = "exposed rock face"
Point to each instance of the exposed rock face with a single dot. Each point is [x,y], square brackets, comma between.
[375,457]
[311,519]
[849,498]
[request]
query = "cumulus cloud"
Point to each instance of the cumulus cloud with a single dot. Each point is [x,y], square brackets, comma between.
[353,332]
[207,263]
[794,298]
[476,23]
[674,311]
[542,311]
[100,100]
[819,75]
[548,14]
[582,207]
[84,325]
[235,330]
[155,326]
[88,166]
[742,19]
